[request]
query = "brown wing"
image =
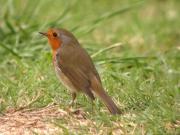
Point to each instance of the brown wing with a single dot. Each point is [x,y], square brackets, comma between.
[77,65]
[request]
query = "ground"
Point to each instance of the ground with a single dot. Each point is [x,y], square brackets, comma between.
[135,46]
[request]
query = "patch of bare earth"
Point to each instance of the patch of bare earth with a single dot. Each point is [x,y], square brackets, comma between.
[49,120]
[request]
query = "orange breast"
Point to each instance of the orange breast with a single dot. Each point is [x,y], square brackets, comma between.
[55,43]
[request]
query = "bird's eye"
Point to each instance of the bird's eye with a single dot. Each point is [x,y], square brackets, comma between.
[54,34]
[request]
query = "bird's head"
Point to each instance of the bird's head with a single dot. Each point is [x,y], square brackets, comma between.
[57,37]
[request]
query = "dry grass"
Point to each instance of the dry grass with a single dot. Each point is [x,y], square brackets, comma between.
[28,121]
[44,121]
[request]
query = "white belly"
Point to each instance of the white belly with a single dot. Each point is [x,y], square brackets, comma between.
[64,80]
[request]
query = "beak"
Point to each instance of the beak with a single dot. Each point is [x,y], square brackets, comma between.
[43,33]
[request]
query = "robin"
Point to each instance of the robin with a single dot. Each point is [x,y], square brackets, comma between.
[75,69]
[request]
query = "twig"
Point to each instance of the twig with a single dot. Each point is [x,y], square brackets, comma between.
[106,49]
[134,129]
[29,104]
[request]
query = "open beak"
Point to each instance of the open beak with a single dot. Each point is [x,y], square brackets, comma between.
[43,33]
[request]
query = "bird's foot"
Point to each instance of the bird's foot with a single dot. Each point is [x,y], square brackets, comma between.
[71,104]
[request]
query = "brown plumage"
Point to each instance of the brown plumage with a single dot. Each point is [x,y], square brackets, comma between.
[75,68]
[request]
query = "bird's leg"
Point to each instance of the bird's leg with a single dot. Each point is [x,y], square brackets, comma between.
[73,99]
[92,106]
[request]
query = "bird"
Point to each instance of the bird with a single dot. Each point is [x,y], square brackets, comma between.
[75,69]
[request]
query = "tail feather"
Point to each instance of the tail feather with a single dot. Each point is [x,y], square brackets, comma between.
[112,107]
[100,92]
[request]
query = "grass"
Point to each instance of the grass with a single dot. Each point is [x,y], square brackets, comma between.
[134,44]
